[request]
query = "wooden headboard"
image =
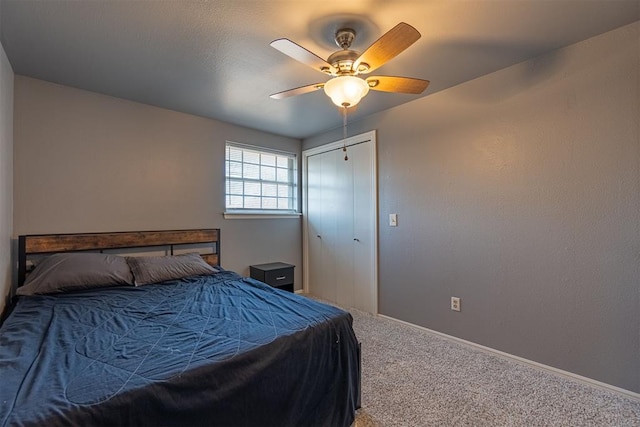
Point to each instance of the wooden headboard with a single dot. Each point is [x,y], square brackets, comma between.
[56,243]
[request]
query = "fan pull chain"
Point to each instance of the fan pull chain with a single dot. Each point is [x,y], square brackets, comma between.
[344,132]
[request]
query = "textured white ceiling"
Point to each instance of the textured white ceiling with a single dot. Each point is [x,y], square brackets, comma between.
[213,58]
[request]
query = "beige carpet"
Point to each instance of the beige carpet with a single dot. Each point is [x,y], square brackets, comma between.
[411,377]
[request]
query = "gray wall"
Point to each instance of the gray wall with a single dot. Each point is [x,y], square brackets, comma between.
[86,162]
[6,175]
[520,193]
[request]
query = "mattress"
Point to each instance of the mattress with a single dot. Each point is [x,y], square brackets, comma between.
[207,350]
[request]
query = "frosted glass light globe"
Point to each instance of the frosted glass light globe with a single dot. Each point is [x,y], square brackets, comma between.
[346,91]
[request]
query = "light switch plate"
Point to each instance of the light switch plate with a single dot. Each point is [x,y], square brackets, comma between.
[393,220]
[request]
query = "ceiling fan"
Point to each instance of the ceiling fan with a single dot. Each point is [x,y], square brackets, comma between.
[346,89]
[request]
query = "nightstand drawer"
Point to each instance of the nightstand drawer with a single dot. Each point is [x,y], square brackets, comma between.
[276,274]
[282,276]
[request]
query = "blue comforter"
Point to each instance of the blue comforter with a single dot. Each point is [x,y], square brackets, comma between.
[209,350]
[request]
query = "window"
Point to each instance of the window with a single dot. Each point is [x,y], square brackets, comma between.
[259,180]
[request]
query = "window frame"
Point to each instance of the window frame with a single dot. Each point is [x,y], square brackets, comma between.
[291,183]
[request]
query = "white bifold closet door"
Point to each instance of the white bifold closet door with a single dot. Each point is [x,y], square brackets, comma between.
[341,226]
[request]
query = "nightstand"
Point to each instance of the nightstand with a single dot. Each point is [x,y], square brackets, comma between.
[276,274]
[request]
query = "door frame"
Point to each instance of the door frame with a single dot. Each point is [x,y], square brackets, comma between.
[354,140]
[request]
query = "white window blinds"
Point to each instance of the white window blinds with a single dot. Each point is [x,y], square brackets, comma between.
[260,180]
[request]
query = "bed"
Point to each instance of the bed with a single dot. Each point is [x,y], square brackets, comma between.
[206,349]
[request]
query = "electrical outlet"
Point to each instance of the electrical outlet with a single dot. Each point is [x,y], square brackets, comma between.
[455,304]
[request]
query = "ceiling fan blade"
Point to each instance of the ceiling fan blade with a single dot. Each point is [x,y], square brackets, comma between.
[388,46]
[303,55]
[397,84]
[297,91]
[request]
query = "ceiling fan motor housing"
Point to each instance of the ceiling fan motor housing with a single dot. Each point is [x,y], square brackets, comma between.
[343,60]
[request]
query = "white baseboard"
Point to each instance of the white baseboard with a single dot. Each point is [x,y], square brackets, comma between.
[570,375]
[299,291]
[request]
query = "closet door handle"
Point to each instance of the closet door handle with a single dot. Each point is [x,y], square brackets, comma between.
[318,236]
[355,239]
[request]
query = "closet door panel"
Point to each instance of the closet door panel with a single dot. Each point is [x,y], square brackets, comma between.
[363,227]
[329,188]
[344,241]
[314,223]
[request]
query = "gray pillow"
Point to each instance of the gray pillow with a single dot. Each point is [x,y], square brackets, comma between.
[76,270]
[155,269]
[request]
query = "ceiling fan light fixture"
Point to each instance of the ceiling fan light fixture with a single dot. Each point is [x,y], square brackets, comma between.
[346,91]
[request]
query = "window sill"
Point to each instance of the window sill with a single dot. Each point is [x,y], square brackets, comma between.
[260,215]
